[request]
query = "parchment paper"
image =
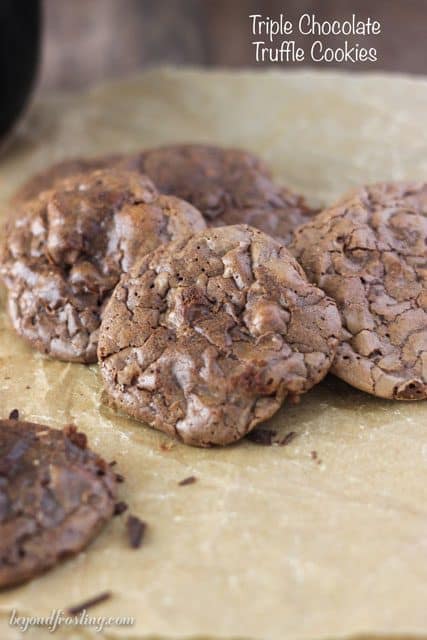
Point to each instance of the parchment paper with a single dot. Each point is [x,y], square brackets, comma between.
[269,543]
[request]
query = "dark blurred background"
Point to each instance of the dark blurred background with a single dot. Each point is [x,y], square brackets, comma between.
[86,41]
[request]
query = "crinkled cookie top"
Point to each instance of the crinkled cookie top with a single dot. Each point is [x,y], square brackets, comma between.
[65,250]
[369,253]
[206,337]
[228,186]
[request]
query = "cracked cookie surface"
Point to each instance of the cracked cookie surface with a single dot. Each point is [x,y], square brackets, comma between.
[55,497]
[369,253]
[228,186]
[206,337]
[65,250]
[46,179]
[382,194]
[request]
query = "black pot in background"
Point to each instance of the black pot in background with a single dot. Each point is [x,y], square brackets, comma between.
[20,26]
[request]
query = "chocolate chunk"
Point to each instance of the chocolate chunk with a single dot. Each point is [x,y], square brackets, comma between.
[206,337]
[64,251]
[287,439]
[136,530]
[262,436]
[119,508]
[315,456]
[77,437]
[189,480]
[89,604]
[268,437]
[53,502]
[14,414]
[368,252]
[229,186]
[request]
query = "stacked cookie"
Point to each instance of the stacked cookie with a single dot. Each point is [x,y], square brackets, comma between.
[209,294]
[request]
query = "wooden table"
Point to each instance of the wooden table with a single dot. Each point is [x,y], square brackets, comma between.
[89,40]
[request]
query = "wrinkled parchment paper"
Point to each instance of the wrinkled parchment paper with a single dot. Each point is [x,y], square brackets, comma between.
[269,543]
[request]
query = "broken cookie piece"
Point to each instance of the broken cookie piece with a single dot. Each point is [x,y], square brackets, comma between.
[206,337]
[369,253]
[65,250]
[55,497]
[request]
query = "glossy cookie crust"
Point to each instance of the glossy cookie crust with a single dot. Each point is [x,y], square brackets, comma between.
[55,497]
[206,337]
[229,186]
[369,253]
[65,250]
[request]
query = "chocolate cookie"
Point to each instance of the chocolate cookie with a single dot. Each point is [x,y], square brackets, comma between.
[369,253]
[65,251]
[206,337]
[228,186]
[382,194]
[49,177]
[55,497]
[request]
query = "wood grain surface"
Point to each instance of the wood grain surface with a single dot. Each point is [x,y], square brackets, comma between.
[86,41]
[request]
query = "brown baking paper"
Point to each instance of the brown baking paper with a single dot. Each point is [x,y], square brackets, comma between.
[270,542]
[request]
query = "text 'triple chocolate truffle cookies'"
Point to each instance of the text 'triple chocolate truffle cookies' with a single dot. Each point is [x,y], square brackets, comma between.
[204,338]
[64,252]
[369,253]
[55,497]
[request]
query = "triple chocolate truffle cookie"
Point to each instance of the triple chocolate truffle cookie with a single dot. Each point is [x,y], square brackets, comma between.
[55,497]
[65,250]
[228,186]
[369,253]
[49,177]
[382,194]
[206,337]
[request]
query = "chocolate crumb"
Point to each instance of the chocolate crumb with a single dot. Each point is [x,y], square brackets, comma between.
[76,437]
[88,604]
[136,529]
[166,446]
[262,436]
[113,463]
[14,414]
[119,508]
[287,439]
[189,480]
[314,456]
[119,477]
